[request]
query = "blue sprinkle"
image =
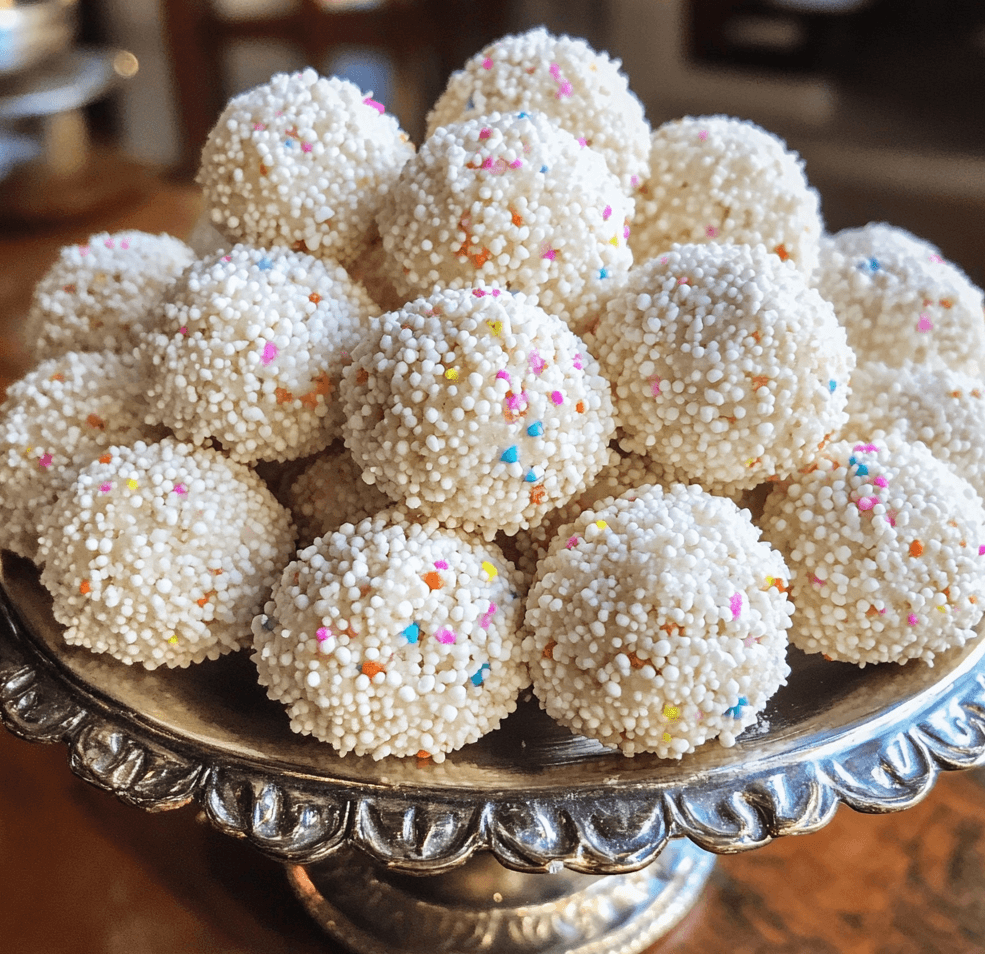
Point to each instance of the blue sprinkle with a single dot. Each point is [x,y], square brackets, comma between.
[832,385]
[511,455]
[289,143]
[735,710]
[264,264]
[523,115]
[603,273]
[852,461]
[536,429]
[543,168]
[873,265]
[411,633]
[480,676]
[862,470]
[531,477]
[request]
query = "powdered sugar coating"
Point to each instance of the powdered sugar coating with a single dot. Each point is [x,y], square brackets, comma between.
[302,161]
[55,420]
[161,554]
[478,408]
[251,350]
[512,200]
[658,622]
[885,546]
[389,638]
[330,491]
[99,296]
[563,77]
[720,179]
[943,408]
[900,300]
[728,369]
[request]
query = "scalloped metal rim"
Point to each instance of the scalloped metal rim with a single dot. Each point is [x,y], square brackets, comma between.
[596,832]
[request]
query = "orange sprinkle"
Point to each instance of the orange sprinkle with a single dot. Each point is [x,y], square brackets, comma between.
[206,598]
[760,381]
[548,652]
[635,662]
[781,250]
[371,668]
[946,303]
[57,376]
[264,170]
[537,495]
[362,376]
[580,407]
[972,600]
[94,420]
[423,756]
[433,580]
[480,258]
[916,549]
[84,587]
[517,218]
[826,656]
[364,589]
[314,298]
[105,459]
[283,396]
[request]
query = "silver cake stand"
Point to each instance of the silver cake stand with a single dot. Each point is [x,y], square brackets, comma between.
[530,840]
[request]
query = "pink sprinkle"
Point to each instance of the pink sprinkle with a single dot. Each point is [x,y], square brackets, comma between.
[124,244]
[912,619]
[868,448]
[711,231]
[817,581]
[557,397]
[485,133]
[487,64]
[663,260]
[625,231]
[735,605]
[270,352]
[440,565]
[606,213]
[582,141]
[83,250]
[634,181]
[981,550]
[379,107]
[518,402]
[105,488]
[655,385]
[45,461]
[182,330]
[323,633]
[549,254]
[867,503]
[504,375]
[495,293]
[306,147]
[924,324]
[487,163]
[516,163]
[487,618]
[577,362]
[537,363]
[682,281]
[562,91]
[703,135]
[936,259]
[259,127]
[109,243]
[572,542]
[881,482]
[555,70]
[478,293]
[227,258]
[180,489]
[445,636]
[891,518]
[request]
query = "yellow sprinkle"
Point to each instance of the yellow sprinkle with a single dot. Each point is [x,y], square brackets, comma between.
[452,374]
[941,609]
[491,571]
[666,737]
[132,484]
[614,240]
[495,326]
[601,524]
[673,713]
[173,640]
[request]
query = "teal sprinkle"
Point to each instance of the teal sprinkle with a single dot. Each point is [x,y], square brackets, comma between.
[511,455]
[873,265]
[523,115]
[735,710]
[411,633]
[536,429]
[603,273]
[832,385]
[860,469]
[531,477]
[480,676]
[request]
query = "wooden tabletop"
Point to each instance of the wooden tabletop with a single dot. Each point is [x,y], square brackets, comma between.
[82,873]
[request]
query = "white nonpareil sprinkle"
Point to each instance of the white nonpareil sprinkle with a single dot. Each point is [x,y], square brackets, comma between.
[727,368]
[251,350]
[885,545]
[658,621]
[900,300]
[161,554]
[478,408]
[56,420]
[563,77]
[720,179]
[100,295]
[390,638]
[512,200]
[302,161]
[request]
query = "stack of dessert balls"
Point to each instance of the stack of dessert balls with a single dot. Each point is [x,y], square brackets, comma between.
[430,426]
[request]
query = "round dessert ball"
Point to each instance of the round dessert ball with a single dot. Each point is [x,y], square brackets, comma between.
[391,638]
[943,408]
[728,368]
[658,621]
[886,549]
[250,351]
[581,90]
[477,408]
[302,161]
[161,554]
[330,491]
[101,295]
[512,200]
[57,419]
[900,300]
[719,179]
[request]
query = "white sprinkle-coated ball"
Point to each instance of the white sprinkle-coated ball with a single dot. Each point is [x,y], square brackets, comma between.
[658,622]
[57,419]
[100,295]
[727,368]
[161,554]
[886,548]
[900,300]
[302,161]
[512,200]
[719,179]
[250,352]
[477,408]
[389,638]
[563,77]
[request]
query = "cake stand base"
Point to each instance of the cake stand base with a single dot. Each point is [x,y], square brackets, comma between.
[483,906]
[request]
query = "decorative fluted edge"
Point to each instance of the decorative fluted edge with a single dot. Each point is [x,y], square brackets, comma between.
[607,831]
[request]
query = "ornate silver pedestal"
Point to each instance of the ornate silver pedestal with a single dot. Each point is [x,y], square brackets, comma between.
[497,848]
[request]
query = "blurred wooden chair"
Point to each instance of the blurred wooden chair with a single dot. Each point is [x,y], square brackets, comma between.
[423,39]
